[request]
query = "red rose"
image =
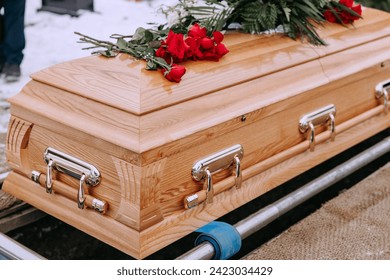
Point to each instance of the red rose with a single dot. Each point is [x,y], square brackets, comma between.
[197,32]
[344,16]
[196,46]
[201,47]
[349,18]
[221,50]
[193,52]
[175,73]
[218,37]
[347,3]
[176,45]
[330,16]
[161,51]
[210,55]
[357,9]
[206,43]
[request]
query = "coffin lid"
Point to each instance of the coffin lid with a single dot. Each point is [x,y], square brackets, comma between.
[117,100]
[123,83]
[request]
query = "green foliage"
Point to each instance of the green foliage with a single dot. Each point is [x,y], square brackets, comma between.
[378,4]
[296,18]
[293,16]
[141,45]
[258,16]
[212,17]
[212,14]
[299,25]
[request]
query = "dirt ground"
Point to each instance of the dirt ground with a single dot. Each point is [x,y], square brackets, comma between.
[56,240]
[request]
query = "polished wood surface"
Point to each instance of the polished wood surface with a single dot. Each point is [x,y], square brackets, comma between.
[123,83]
[93,103]
[140,244]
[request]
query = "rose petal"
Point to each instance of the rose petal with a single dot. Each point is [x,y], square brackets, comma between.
[206,43]
[175,74]
[218,37]
[197,32]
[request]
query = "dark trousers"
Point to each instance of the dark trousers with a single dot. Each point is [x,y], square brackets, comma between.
[13,39]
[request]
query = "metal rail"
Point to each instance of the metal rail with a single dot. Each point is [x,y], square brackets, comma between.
[9,248]
[13,250]
[265,216]
[3,176]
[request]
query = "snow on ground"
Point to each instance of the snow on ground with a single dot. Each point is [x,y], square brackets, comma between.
[50,37]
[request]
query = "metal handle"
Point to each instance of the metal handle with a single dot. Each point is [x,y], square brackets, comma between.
[381,90]
[49,178]
[318,117]
[98,205]
[62,162]
[81,193]
[205,168]
[208,186]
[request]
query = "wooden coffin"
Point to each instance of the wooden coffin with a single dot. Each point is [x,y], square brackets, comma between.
[159,159]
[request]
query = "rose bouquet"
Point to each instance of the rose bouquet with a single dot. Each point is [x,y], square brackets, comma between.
[194,29]
[164,51]
[341,12]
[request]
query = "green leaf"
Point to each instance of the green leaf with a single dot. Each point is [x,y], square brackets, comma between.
[139,34]
[149,51]
[151,65]
[287,12]
[148,36]
[212,17]
[106,53]
[258,17]
[160,61]
[140,48]
[154,44]
[121,43]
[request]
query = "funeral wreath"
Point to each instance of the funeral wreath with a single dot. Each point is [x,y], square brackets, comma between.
[195,29]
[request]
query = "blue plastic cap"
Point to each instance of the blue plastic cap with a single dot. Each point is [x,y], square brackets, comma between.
[224,237]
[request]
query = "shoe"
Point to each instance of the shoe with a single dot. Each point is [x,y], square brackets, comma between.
[11,72]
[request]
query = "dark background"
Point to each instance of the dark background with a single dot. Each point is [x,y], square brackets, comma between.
[378,4]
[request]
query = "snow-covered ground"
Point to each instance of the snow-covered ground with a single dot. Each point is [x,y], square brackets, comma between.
[50,37]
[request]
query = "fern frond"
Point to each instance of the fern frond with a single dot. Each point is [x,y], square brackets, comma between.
[258,17]
[213,16]
[304,17]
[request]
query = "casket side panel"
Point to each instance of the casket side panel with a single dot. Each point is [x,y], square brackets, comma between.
[262,133]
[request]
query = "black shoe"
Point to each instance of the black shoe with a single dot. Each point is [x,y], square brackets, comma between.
[11,72]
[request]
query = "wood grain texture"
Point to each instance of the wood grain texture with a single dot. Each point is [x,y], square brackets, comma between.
[69,110]
[286,154]
[16,143]
[129,206]
[144,243]
[151,180]
[153,130]
[109,188]
[123,83]
[177,226]
[139,205]
[341,38]
[101,227]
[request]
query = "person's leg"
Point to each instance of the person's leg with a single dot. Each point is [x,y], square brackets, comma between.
[2,56]
[14,39]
